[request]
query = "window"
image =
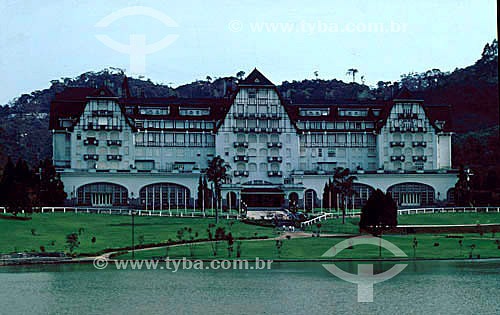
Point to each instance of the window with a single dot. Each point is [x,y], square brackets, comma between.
[331,153]
[252,93]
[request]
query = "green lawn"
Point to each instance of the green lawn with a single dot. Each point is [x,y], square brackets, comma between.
[351,224]
[313,248]
[113,231]
[450,218]
[110,231]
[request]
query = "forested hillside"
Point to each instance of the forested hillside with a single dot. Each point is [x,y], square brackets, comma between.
[472,92]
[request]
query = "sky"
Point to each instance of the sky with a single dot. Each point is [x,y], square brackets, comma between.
[286,40]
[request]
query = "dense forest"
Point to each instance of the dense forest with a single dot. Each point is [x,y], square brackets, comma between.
[472,92]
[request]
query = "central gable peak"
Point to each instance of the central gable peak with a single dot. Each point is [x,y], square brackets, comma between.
[257,79]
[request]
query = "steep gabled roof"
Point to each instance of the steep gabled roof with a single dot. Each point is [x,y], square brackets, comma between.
[70,104]
[405,94]
[257,79]
[101,92]
[254,79]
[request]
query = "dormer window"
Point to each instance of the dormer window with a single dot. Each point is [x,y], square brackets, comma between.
[184,111]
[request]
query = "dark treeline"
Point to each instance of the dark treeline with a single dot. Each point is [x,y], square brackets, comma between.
[22,188]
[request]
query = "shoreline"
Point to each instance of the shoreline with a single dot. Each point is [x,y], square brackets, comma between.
[312,260]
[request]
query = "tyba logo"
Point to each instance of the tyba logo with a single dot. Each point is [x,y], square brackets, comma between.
[137,48]
[365,277]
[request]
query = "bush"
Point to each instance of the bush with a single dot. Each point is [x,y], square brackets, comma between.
[379,211]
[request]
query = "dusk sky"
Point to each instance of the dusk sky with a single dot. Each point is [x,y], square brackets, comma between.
[42,41]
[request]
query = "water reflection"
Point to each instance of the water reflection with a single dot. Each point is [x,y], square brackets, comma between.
[297,288]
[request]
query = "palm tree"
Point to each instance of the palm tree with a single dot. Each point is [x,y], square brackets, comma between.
[209,79]
[217,173]
[240,75]
[352,72]
[343,182]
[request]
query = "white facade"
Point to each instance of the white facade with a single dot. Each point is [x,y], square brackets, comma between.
[153,151]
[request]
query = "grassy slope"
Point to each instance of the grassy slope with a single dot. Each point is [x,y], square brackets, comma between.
[450,218]
[111,231]
[311,248]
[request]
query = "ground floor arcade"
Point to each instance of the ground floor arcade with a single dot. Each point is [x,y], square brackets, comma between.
[158,191]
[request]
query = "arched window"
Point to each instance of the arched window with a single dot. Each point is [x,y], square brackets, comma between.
[362,193]
[412,194]
[310,199]
[450,195]
[164,196]
[102,194]
[252,167]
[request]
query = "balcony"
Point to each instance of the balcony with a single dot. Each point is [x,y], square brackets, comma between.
[114,142]
[102,113]
[114,157]
[241,173]
[420,158]
[111,157]
[422,144]
[278,159]
[274,145]
[408,116]
[421,129]
[398,158]
[91,141]
[101,127]
[241,158]
[255,129]
[240,129]
[62,163]
[397,144]
[238,115]
[275,174]
[241,144]
[93,157]
[273,130]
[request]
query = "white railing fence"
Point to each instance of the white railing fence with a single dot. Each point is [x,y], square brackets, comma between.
[189,213]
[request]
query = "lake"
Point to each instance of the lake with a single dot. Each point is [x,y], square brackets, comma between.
[426,287]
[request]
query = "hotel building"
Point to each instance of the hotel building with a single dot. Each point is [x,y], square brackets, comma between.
[119,150]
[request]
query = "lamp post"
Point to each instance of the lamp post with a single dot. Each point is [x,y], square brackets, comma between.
[133,231]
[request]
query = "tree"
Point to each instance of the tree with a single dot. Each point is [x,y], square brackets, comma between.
[19,187]
[207,192]
[51,192]
[352,72]
[343,183]
[7,181]
[72,241]
[463,187]
[326,195]
[209,79]
[218,174]
[279,244]
[379,213]
[240,75]
[316,74]
[201,195]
